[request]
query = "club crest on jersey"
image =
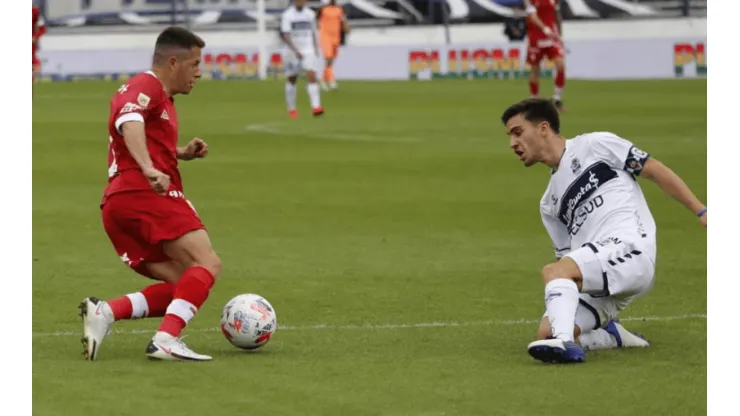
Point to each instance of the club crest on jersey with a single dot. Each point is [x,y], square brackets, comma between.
[575,166]
[634,165]
[165,116]
[143,99]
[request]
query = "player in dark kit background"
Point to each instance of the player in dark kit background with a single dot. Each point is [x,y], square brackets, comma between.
[152,226]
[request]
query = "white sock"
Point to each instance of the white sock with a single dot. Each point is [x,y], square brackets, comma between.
[139,305]
[182,309]
[314,94]
[290,95]
[598,339]
[561,301]
[558,95]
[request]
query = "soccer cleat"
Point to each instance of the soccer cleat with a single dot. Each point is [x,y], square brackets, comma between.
[625,338]
[168,348]
[333,85]
[96,326]
[318,111]
[556,351]
[559,105]
[324,85]
[293,113]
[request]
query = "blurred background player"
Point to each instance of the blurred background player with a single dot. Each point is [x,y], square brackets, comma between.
[333,27]
[544,33]
[299,33]
[515,26]
[38,30]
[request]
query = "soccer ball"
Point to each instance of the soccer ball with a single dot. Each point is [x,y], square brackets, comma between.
[248,321]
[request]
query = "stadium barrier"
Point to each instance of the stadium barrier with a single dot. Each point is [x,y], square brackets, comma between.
[595,50]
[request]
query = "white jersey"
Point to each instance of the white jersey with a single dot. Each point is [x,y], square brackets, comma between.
[594,197]
[301,26]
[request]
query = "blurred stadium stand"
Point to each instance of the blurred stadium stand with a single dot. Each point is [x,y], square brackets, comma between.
[132,15]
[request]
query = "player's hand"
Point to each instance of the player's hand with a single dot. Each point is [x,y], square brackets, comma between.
[197,148]
[159,181]
[703,220]
[299,55]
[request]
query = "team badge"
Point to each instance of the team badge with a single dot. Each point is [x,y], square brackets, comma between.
[575,166]
[143,100]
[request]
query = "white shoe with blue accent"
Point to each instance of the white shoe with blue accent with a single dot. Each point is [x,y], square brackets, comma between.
[556,351]
[625,338]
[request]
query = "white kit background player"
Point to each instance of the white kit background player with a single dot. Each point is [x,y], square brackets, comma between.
[301,54]
[600,223]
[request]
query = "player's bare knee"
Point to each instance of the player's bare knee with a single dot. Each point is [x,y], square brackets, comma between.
[212,263]
[550,273]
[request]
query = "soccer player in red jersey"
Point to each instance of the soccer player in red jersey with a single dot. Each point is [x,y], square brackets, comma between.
[38,30]
[153,228]
[543,32]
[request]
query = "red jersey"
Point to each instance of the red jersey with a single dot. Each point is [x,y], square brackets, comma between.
[547,11]
[38,27]
[142,98]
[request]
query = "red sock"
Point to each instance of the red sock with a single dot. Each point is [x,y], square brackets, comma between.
[152,301]
[560,79]
[121,307]
[190,293]
[534,88]
[158,297]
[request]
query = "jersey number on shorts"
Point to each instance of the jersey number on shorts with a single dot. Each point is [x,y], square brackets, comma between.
[113,168]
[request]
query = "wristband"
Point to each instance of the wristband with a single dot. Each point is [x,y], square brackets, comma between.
[701,212]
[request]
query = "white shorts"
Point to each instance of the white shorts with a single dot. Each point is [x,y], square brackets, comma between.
[615,273]
[294,66]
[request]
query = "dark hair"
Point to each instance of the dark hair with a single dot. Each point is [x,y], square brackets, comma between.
[534,110]
[175,38]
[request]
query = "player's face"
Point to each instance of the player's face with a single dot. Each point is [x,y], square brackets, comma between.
[527,139]
[187,70]
[299,3]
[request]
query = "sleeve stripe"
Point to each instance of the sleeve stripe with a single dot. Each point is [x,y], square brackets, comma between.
[128,117]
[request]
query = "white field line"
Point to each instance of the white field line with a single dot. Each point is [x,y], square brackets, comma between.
[274,128]
[511,322]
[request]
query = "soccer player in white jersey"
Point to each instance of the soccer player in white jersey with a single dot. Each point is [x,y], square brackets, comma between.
[299,32]
[600,223]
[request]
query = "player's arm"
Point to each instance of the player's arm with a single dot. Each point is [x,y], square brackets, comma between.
[285,28]
[196,149]
[134,136]
[674,186]
[622,154]
[345,23]
[559,19]
[531,11]
[133,106]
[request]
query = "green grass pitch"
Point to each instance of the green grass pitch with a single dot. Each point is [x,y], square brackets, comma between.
[398,238]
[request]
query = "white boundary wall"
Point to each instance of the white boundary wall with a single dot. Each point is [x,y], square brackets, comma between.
[627,49]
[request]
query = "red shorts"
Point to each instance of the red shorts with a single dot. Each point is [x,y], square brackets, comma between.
[535,54]
[137,224]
